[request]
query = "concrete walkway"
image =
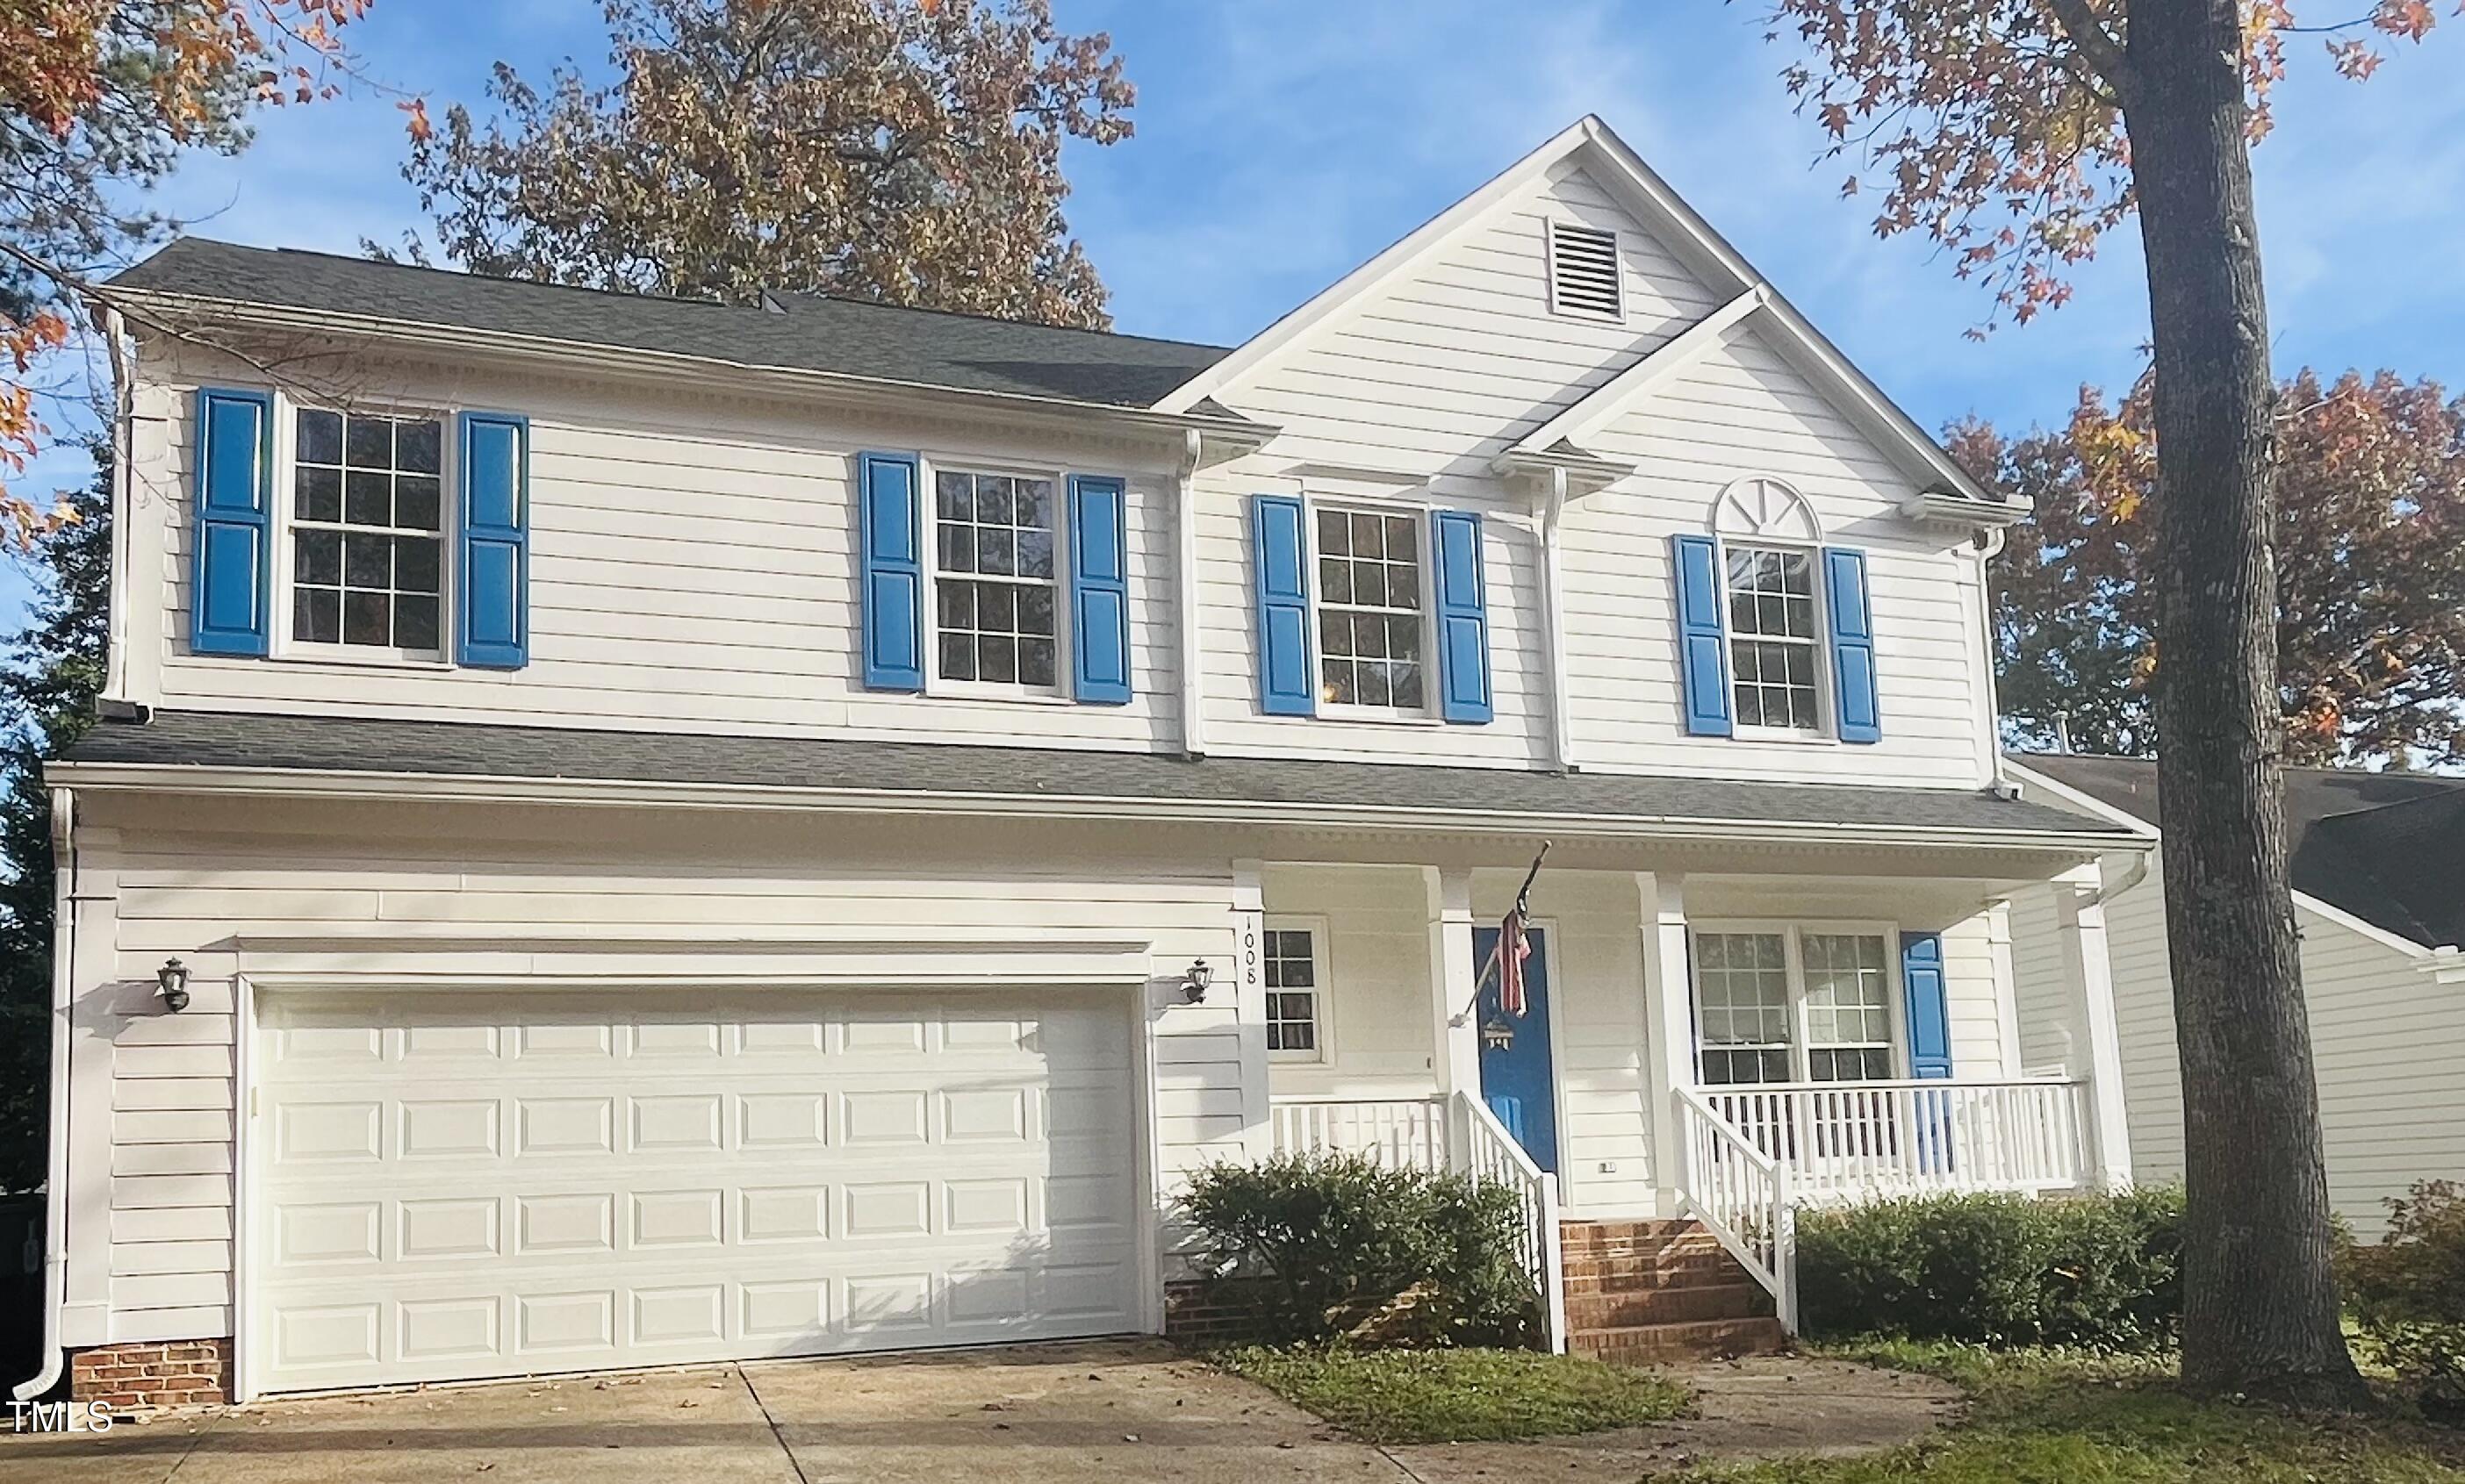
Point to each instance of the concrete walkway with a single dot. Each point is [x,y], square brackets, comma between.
[1123,1412]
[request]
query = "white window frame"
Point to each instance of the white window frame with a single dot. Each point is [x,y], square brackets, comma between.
[1792,932]
[1551,226]
[928,467]
[1782,519]
[286,646]
[1321,978]
[1420,514]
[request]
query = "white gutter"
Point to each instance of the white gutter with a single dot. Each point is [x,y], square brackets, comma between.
[1553,620]
[56,1174]
[633,793]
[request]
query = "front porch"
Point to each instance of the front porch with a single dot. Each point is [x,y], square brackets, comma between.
[1717,1048]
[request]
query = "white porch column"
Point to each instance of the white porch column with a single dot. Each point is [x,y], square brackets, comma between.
[1669,1018]
[1455,1054]
[2088,973]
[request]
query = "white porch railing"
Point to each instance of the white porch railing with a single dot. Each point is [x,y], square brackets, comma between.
[1429,1134]
[1742,1196]
[1400,1133]
[1861,1140]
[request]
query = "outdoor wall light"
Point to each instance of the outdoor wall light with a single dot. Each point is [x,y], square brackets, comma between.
[1193,984]
[173,977]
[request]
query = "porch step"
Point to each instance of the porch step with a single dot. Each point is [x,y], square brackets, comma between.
[1643,1292]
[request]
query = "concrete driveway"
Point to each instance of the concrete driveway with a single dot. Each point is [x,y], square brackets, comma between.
[1123,1410]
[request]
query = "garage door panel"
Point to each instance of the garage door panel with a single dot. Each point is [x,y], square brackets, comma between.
[480,1185]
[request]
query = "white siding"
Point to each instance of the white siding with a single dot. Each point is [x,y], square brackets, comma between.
[691,562]
[2387,1041]
[426,900]
[1435,373]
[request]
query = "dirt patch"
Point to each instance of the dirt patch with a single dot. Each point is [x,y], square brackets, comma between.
[1761,1406]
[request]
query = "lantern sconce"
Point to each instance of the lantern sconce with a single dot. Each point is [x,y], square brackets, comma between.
[173,977]
[1194,983]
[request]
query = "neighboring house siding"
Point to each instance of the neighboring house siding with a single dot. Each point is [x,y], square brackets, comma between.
[691,566]
[2389,1043]
[193,889]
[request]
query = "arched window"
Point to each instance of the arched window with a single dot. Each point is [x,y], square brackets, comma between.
[1770,540]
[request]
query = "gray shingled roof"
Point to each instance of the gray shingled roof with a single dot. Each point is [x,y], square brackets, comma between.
[802,332]
[2389,848]
[328,743]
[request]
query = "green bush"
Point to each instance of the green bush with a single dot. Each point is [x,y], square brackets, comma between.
[1330,1245]
[2408,1295]
[2102,1272]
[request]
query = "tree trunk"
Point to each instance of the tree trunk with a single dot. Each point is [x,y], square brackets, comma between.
[2259,1300]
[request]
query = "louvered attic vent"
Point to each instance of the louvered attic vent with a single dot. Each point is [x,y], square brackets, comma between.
[1584,273]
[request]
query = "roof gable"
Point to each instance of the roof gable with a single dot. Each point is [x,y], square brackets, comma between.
[1591,147]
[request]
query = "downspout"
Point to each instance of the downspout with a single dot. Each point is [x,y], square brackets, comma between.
[1553,617]
[55,1177]
[1988,546]
[1193,698]
[124,416]
[2132,875]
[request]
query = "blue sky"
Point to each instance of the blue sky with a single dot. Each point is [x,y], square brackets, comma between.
[1279,142]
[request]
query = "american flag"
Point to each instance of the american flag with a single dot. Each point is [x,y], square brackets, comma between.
[1515,944]
[1513,948]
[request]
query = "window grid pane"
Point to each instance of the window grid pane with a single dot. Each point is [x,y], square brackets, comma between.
[367,538]
[1291,990]
[1771,637]
[1741,1007]
[1369,609]
[994,582]
[1847,1008]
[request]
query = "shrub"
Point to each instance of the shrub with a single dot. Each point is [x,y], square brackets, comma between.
[2408,1295]
[1343,1242]
[2102,1272]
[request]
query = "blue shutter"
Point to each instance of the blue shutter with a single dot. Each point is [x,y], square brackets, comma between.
[1099,593]
[231,579]
[894,571]
[1853,645]
[1463,618]
[1929,1020]
[494,629]
[1702,642]
[1286,687]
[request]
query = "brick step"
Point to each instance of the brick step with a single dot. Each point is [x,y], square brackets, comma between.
[1629,1309]
[1652,1280]
[1654,1344]
[1641,1250]
[1711,1269]
[1579,1231]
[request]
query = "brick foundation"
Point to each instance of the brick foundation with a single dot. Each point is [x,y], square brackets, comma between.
[1206,1314]
[153,1373]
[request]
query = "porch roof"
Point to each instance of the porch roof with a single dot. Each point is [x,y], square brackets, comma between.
[175,748]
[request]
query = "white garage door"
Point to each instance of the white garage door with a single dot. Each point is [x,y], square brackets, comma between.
[489,1184]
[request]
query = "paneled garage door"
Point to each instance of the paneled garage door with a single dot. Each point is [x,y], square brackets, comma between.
[491,1184]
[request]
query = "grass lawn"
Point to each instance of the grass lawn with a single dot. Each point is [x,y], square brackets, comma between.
[1459,1396]
[2059,1419]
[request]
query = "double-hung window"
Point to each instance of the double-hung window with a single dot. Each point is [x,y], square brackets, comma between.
[1773,636]
[367,532]
[995,585]
[1371,629]
[1784,1004]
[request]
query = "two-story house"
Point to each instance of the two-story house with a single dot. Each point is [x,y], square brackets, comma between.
[637,831]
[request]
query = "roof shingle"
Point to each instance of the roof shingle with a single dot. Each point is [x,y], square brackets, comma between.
[804,332]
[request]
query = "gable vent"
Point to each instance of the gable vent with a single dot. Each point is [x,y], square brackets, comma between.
[1584,273]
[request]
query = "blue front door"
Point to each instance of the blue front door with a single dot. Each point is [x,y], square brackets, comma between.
[1516,1078]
